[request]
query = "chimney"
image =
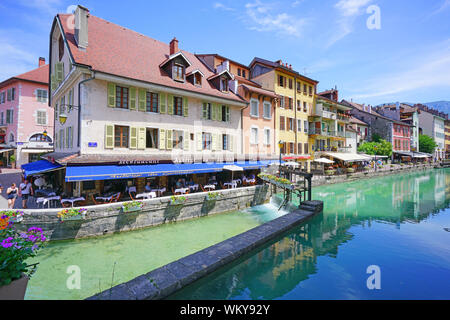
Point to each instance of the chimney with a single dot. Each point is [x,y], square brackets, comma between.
[41,61]
[173,46]
[290,66]
[81,26]
[279,62]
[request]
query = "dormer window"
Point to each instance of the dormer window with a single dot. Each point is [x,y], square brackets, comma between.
[197,79]
[178,72]
[224,84]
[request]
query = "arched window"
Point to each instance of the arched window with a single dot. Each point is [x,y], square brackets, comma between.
[11,137]
[39,137]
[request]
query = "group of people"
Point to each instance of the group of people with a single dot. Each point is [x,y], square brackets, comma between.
[25,190]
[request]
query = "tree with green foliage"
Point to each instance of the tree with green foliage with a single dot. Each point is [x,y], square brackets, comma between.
[426,144]
[381,148]
[376,137]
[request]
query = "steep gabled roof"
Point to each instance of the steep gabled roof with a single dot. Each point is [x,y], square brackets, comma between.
[38,75]
[125,53]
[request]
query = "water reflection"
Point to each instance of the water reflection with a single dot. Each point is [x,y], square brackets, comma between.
[283,265]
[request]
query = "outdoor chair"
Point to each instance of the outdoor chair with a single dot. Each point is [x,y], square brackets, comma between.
[116,198]
[93,196]
[132,195]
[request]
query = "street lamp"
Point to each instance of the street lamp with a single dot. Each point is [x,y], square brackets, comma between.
[280,145]
[63,116]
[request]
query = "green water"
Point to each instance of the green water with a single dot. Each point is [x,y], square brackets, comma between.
[397,223]
[131,254]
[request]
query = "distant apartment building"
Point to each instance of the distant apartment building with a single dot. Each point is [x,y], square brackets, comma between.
[432,123]
[26,120]
[410,115]
[258,119]
[328,122]
[396,132]
[447,138]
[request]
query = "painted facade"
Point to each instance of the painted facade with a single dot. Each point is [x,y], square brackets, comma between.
[296,102]
[328,122]
[26,120]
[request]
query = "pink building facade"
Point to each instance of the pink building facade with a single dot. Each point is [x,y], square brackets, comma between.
[26,120]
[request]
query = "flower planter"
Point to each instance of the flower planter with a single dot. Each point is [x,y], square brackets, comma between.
[16,219]
[80,216]
[131,209]
[15,290]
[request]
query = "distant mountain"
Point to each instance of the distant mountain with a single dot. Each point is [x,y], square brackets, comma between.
[443,106]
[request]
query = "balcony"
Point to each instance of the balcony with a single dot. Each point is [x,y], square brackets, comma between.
[343,117]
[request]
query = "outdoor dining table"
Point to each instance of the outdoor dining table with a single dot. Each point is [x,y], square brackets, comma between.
[48,200]
[106,197]
[249,180]
[146,195]
[209,187]
[181,190]
[159,191]
[231,184]
[72,200]
[45,192]
[194,187]
[239,181]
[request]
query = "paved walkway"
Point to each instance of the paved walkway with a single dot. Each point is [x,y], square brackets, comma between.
[7,177]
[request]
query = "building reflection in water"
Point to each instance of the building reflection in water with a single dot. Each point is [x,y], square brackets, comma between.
[284,263]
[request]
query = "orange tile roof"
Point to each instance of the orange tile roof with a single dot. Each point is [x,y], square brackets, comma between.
[123,52]
[37,75]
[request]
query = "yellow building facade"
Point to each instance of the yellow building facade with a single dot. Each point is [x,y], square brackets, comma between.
[296,101]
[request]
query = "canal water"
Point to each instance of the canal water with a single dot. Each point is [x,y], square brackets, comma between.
[107,261]
[395,222]
[398,226]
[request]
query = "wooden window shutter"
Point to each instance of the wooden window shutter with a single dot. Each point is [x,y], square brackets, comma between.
[109,136]
[71,138]
[142,138]
[186,141]
[169,142]
[142,99]
[170,104]
[162,103]
[227,114]
[219,113]
[214,142]
[111,95]
[205,110]
[53,82]
[199,141]
[132,98]
[59,66]
[185,107]
[133,137]
[162,138]
[214,112]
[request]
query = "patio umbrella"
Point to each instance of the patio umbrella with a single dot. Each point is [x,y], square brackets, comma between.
[232,168]
[324,160]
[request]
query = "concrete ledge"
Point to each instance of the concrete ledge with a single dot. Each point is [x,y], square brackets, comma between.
[165,280]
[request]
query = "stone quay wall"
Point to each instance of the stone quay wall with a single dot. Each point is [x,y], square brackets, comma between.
[108,218]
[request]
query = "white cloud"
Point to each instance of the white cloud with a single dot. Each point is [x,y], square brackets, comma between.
[221,6]
[263,18]
[296,3]
[429,70]
[348,10]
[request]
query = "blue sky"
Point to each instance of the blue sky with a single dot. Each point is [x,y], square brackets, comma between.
[407,59]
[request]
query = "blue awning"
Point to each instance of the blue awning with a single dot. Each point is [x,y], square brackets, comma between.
[39,166]
[86,173]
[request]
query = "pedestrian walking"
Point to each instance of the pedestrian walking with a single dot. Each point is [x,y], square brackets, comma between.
[12,195]
[25,190]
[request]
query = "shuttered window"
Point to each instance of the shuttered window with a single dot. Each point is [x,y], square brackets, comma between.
[152,138]
[121,97]
[41,117]
[152,102]
[206,141]
[121,136]
[282,125]
[207,111]
[178,138]
[178,106]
